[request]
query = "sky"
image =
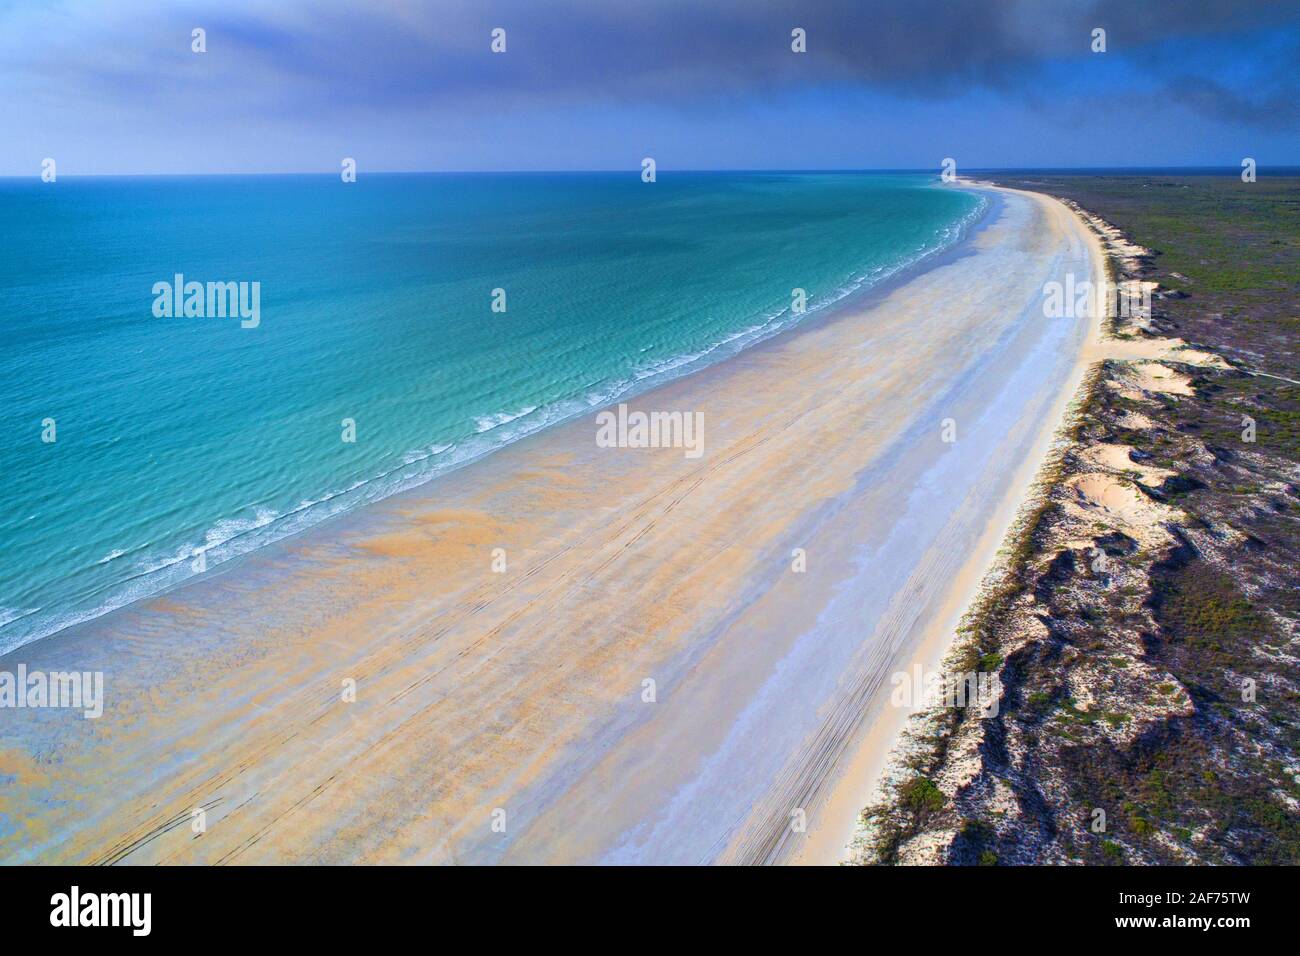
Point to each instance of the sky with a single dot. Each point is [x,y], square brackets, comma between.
[114,87]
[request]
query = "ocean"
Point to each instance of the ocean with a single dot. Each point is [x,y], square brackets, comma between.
[141,446]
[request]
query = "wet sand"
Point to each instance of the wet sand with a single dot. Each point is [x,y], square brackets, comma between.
[508,715]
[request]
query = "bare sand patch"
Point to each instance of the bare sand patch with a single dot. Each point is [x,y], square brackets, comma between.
[1119,458]
[1117,503]
[1190,356]
[1142,379]
[1157,377]
[1135,421]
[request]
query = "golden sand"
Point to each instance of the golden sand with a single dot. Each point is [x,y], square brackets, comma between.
[502,715]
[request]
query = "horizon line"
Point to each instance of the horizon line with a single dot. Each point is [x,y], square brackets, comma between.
[635,170]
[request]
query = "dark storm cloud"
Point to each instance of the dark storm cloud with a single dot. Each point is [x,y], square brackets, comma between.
[314,58]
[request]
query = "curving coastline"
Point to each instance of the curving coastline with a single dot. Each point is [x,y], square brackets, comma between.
[524,690]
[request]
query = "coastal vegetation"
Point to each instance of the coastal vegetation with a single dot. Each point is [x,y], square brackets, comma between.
[1149,645]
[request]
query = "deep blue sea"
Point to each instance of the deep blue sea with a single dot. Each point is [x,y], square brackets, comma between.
[180,442]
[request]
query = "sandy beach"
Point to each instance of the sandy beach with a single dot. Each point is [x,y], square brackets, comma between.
[567,653]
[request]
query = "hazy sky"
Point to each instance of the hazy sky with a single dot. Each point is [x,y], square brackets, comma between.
[295,85]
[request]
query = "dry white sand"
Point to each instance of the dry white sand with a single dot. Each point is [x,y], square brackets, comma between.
[649,679]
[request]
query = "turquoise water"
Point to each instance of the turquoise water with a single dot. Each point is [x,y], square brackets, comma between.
[181,437]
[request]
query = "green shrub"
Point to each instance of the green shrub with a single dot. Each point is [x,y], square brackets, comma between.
[920,795]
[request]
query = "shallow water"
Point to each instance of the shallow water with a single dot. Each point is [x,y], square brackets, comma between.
[182,442]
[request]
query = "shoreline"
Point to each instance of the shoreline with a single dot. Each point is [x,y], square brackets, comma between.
[122,594]
[525,689]
[868,766]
